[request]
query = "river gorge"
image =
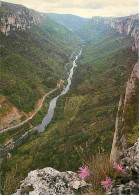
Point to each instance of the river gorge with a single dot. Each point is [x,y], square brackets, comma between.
[48,117]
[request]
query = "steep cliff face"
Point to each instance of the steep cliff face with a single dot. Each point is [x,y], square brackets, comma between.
[127,120]
[16,17]
[127,26]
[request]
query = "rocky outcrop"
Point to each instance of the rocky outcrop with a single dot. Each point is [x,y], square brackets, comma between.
[127,26]
[49,181]
[16,17]
[131,84]
[120,140]
[130,161]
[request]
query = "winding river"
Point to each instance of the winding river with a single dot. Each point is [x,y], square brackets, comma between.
[48,117]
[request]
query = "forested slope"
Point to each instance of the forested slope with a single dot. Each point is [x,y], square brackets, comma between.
[33,55]
[84,120]
[71,22]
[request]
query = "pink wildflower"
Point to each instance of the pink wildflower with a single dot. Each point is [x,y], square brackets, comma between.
[119,168]
[106,184]
[83,172]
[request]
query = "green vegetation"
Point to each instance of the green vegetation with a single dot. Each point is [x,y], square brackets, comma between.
[72,22]
[85,117]
[32,62]
[14,134]
[37,119]
[131,116]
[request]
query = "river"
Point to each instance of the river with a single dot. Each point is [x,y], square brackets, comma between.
[48,117]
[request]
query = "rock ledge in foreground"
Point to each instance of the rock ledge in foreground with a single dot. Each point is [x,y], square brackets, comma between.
[49,181]
[130,161]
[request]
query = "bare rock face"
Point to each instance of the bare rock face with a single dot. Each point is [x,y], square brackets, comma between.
[118,145]
[131,84]
[127,26]
[16,17]
[120,141]
[49,181]
[129,188]
[130,161]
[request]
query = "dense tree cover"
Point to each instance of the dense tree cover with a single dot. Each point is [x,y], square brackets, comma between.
[84,119]
[131,116]
[32,61]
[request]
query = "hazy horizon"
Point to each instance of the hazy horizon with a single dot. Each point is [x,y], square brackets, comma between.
[104,8]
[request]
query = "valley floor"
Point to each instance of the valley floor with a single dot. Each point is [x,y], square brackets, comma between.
[33,113]
[82,129]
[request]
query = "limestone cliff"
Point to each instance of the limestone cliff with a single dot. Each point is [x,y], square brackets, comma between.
[17,17]
[127,26]
[127,120]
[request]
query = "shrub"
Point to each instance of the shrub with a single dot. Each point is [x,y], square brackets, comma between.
[99,167]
